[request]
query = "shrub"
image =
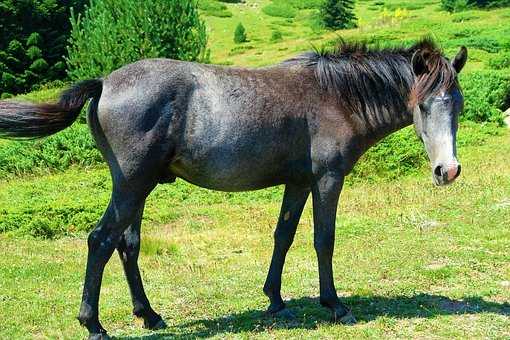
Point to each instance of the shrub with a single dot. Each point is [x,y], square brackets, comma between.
[276,36]
[483,43]
[338,14]
[280,8]
[305,4]
[486,94]
[499,61]
[397,155]
[112,33]
[214,9]
[240,34]
[73,146]
[461,5]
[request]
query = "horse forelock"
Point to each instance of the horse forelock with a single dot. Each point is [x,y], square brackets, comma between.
[441,76]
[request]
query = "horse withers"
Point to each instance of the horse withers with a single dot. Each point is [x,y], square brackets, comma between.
[302,123]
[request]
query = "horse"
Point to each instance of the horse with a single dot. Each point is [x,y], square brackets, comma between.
[302,123]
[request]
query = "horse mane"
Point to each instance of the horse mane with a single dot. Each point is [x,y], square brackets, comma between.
[373,80]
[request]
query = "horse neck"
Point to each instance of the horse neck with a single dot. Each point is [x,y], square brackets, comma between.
[387,115]
[387,124]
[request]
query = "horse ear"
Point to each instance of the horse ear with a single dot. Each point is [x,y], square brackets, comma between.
[460,59]
[419,63]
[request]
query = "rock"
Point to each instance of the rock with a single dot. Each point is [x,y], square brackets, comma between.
[506,118]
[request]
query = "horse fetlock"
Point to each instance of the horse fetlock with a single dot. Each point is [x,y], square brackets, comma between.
[90,320]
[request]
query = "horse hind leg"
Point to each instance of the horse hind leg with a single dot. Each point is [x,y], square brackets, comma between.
[129,249]
[123,210]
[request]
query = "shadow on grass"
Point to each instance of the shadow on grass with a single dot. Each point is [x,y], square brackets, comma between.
[308,314]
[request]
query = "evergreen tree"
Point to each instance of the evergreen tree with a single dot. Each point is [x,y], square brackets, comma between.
[240,34]
[338,14]
[33,44]
[113,33]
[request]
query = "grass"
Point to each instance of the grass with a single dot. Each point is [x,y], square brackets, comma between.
[437,264]
[412,260]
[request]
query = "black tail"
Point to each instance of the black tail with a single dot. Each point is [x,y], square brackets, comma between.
[27,120]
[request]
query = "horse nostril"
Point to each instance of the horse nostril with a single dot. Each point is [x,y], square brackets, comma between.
[438,171]
[458,171]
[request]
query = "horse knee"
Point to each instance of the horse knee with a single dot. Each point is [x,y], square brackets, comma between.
[100,244]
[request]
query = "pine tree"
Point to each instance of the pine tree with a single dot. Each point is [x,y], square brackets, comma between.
[113,33]
[240,34]
[338,14]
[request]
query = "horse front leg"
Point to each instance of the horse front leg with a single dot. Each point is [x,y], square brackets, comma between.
[325,194]
[294,200]
[102,241]
[129,250]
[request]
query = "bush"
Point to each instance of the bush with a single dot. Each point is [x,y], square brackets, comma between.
[484,43]
[214,9]
[486,94]
[240,34]
[33,30]
[461,5]
[276,36]
[338,14]
[305,4]
[280,8]
[73,146]
[499,61]
[113,33]
[397,155]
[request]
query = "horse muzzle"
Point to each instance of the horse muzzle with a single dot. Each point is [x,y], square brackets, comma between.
[446,174]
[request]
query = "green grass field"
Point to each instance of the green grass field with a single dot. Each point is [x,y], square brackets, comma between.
[411,259]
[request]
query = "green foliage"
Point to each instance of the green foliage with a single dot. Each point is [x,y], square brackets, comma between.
[499,61]
[214,8]
[397,155]
[112,33]
[305,4]
[276,36]
[461,5]
[480,42]
[33,30]
[338,14]
[486,94]
[240,34]
[280,8]
[73,146]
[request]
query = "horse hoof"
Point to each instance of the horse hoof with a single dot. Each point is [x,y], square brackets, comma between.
[99,336]
[345,319]
[161,324]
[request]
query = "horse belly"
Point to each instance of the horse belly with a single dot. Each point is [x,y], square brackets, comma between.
[230,167]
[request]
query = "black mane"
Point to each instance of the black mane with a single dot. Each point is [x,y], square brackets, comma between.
[374,82]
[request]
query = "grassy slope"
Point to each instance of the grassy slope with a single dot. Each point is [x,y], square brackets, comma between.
[451,30]
[412,260]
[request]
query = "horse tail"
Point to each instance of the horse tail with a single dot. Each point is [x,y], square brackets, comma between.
[29,120]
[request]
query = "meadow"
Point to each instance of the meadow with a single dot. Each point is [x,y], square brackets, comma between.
[411,260]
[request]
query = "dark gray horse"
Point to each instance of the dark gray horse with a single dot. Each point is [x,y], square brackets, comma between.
[303,123]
